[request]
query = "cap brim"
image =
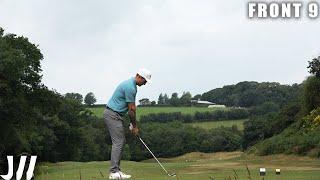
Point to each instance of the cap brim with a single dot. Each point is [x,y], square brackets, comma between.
[148,81]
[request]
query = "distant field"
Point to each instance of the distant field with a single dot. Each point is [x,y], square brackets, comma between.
[147,110]
[217,124]
[192,166]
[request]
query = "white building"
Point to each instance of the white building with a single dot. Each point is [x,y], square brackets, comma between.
[217,106]
[202,103]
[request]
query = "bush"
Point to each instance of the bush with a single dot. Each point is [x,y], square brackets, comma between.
[294,140]
[313,120]
[265,108]
[175,138]
[311,93]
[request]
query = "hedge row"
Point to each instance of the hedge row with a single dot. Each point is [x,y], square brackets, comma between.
[196,117]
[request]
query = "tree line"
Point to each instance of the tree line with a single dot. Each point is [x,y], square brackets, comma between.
[39,121]
[295,128]
[176,138]
[250,93]
[89,99]
[243,94]
[174,100]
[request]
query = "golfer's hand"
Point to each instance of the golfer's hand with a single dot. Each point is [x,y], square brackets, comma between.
[135,131]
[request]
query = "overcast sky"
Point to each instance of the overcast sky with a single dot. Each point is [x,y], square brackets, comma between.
[189,45]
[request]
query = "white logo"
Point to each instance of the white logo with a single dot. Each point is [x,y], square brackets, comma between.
[20,168]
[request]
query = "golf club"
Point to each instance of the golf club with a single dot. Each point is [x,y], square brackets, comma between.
[169,174]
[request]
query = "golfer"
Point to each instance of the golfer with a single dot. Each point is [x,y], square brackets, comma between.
[122,102]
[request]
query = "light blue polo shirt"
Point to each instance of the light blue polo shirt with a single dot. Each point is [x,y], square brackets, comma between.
[125,93]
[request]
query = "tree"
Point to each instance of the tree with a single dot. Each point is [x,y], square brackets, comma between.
[166,99]
[74,96]
[311,93]
[258,128]
[265,108]
[144,101]
[20,82]
[314,66]
[161,99]
[39,121]
[174,100]
[197,97]
[90,99]
[185,99]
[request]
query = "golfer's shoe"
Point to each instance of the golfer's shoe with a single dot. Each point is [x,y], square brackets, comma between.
[119,175]
[124,176]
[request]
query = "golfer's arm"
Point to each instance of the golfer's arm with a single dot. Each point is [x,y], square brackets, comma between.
[132,113]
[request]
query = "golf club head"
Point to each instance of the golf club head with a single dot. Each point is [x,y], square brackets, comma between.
[172,174]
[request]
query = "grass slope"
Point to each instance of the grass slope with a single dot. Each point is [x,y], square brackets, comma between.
[191,166]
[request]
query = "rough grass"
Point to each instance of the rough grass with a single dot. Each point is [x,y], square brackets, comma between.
[191,166]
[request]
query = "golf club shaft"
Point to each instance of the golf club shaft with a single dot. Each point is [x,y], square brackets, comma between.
[153,155]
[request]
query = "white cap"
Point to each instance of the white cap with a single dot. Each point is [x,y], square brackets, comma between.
[146,74]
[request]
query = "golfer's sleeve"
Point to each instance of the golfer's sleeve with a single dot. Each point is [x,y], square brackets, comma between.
[130,95]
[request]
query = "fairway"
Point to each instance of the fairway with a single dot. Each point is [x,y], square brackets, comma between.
[98,111]
[217,124]
[192,166]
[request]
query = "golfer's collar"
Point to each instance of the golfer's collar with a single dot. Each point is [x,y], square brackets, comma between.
[134,81]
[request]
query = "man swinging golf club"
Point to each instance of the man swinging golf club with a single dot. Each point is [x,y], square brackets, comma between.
[121,102]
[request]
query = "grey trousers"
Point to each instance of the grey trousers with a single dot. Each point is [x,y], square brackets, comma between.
[114,124]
